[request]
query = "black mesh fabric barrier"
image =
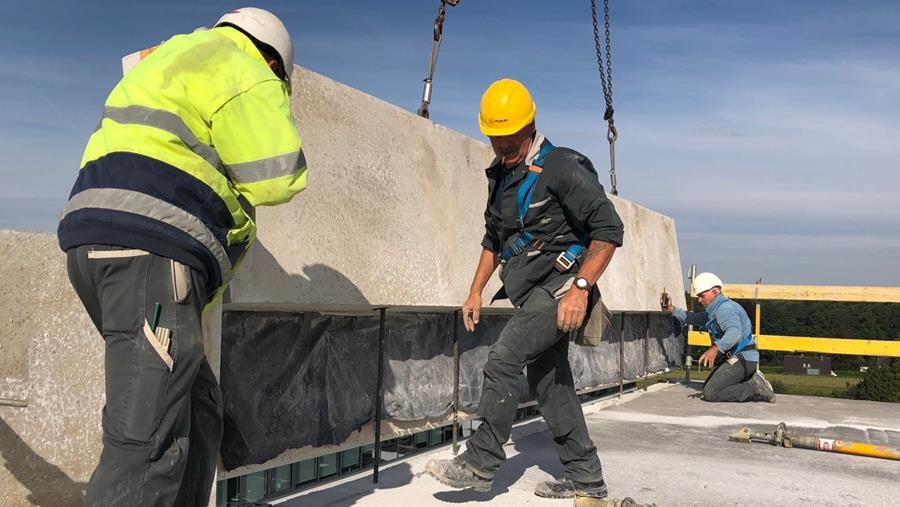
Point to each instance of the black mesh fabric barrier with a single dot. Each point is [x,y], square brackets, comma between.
[291,380]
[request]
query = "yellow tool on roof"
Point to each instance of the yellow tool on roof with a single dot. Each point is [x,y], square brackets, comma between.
[782,437]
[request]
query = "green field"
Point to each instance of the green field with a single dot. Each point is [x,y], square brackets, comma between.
[806,385]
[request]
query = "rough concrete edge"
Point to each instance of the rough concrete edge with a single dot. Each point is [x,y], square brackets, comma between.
[427,121]
[365,435]
[414,116]
[392,428]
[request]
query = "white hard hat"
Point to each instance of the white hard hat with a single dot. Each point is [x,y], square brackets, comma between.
[703,282]
[265,27]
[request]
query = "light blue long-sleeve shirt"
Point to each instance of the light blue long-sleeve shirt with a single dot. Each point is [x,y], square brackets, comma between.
[726,322]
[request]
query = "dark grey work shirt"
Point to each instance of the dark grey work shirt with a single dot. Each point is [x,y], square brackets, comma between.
[568,203]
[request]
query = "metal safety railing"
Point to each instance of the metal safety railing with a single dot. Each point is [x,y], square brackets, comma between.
[635,354]
[819,345]
[634,346]
[455,413]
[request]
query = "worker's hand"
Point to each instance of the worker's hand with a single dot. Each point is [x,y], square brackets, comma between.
[665,302]
[708,358]
[471,311]
[572,308]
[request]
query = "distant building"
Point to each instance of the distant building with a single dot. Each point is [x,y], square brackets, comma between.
[805,365]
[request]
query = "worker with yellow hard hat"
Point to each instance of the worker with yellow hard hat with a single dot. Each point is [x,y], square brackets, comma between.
[506,108]
[196,134]
[553,231]
[733,354]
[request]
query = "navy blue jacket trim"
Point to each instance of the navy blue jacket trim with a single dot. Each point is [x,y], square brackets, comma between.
[127,230]
[140,173]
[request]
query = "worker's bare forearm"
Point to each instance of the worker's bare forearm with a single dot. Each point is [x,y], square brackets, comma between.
[596,259]
[487,263]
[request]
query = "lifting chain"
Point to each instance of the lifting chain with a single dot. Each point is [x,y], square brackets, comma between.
[432,62]
[606,81]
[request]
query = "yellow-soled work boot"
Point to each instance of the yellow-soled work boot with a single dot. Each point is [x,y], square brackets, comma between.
[565,488]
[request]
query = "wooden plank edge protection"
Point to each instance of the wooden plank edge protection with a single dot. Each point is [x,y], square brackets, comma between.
[840,346]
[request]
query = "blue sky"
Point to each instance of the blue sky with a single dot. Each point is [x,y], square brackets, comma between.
[769,130]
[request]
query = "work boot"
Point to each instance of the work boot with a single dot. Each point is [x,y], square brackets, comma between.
[583,501]
[564,488]
[764,391]
[456,474]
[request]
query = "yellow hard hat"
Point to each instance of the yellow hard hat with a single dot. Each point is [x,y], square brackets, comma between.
[506,107]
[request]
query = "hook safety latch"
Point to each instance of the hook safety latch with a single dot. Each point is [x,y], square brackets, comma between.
[612,134]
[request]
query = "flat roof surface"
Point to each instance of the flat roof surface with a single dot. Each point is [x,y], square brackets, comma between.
[666,446]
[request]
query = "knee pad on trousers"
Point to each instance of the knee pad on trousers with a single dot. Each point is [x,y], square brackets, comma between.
[710,394]
[499,365]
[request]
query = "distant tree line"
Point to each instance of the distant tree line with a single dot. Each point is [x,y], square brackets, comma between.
[828,319]
[873,321]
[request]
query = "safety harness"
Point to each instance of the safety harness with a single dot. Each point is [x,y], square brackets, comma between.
[745,344]
[523,240]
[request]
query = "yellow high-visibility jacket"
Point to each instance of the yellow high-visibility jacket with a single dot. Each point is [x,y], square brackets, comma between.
[191,139]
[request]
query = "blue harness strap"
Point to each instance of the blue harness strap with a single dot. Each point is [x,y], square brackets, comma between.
[526,188]
[742,344]
[516,245]
[523,239]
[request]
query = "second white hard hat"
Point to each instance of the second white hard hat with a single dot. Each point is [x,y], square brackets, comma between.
[265,27]
[703,282]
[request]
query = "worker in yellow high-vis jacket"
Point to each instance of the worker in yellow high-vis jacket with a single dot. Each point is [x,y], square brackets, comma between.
[191,140]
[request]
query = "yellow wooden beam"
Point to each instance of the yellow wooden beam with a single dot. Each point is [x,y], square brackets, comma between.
[840,346]
[813,293]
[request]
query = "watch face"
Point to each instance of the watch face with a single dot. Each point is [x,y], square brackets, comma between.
[581,283]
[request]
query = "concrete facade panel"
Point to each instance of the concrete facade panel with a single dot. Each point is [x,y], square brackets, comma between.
[393,216]
[50,446]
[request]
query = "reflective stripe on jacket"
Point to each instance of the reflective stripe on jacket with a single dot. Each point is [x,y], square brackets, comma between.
[190,141]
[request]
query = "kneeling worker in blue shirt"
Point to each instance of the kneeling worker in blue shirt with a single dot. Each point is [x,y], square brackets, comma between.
[733,354]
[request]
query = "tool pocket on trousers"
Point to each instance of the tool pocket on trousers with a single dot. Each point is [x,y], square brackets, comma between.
[181,281]
[136,379]
[563,289]
[159,345]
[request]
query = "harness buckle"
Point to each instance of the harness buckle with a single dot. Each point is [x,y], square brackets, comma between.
[564,262]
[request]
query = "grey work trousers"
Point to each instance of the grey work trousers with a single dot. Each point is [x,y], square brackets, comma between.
[162,426]
[730,381]
[531,339]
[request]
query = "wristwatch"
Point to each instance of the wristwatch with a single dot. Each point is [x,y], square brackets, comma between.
[582,283]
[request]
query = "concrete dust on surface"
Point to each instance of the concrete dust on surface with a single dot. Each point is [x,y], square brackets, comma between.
[653,453]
